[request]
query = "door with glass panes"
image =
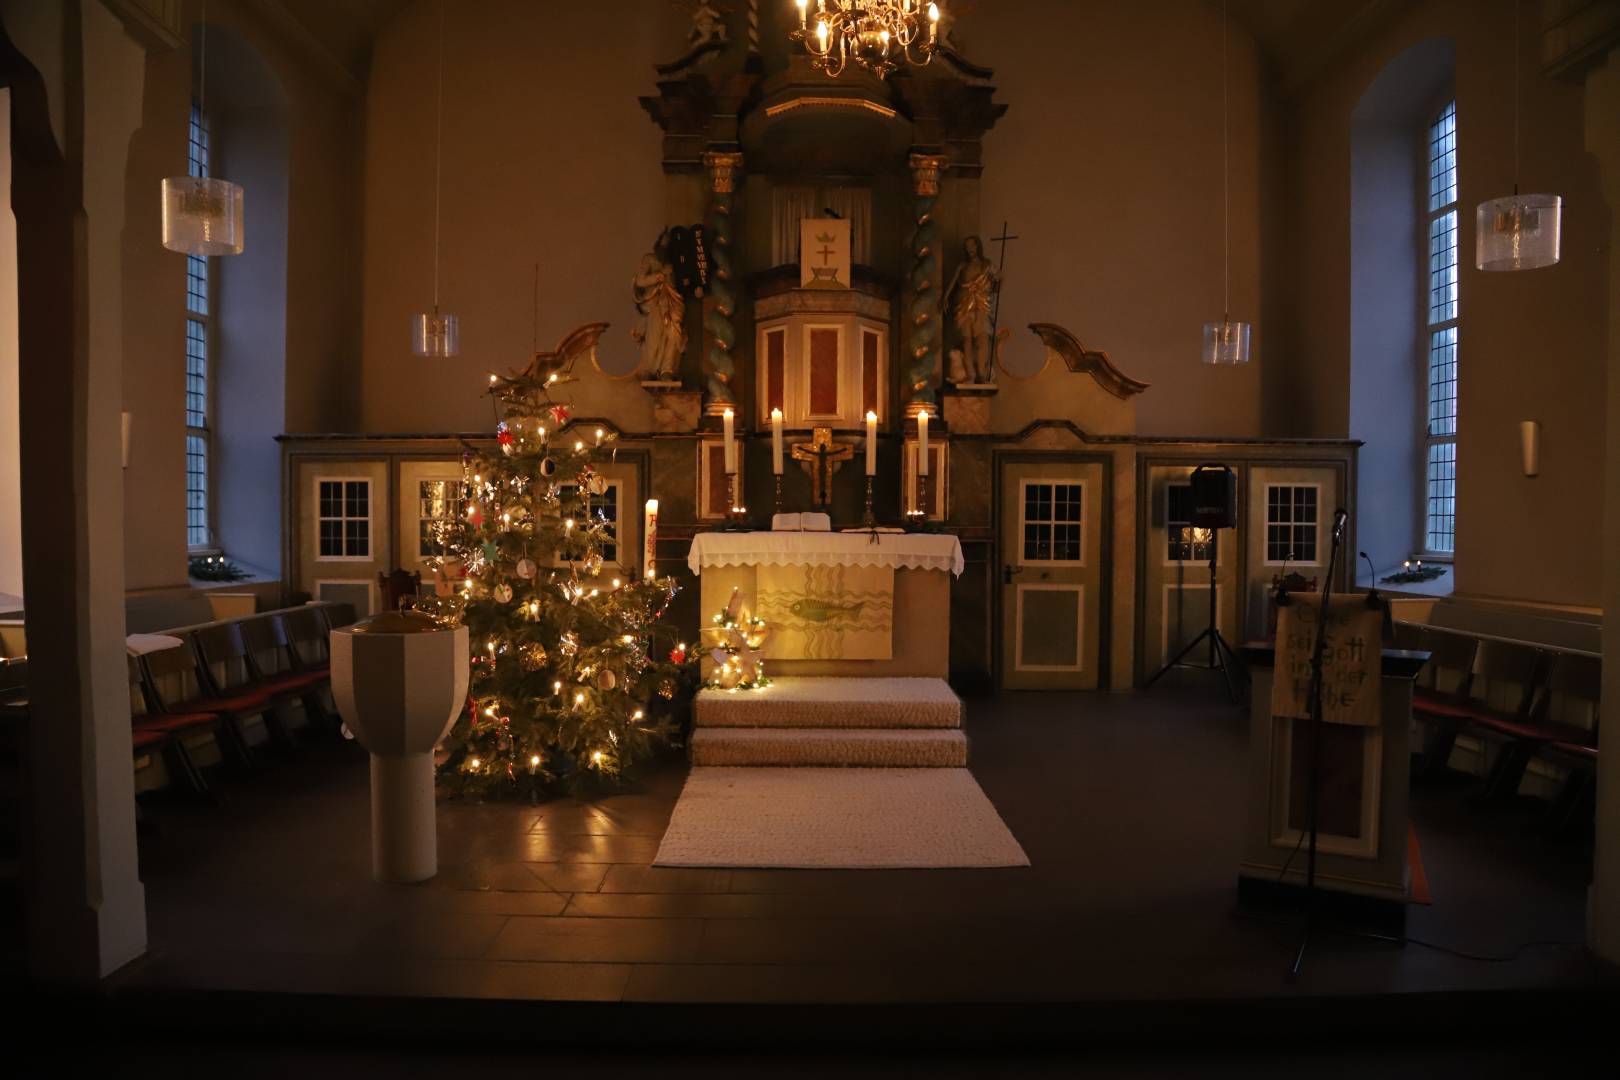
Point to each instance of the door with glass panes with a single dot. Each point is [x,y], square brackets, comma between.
[1051,531]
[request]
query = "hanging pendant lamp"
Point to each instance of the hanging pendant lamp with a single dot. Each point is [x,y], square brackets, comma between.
[1518,232]
[202,214]
[434,333]
[1226,342]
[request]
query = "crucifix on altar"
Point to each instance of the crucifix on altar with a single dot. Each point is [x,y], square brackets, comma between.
[821,457]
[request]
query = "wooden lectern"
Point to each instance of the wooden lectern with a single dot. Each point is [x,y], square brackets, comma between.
[1362,841]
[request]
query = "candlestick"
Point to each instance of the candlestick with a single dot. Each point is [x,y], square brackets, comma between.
[776,441]
[922,444]
[649,533]
[778,507]
[727,418]
[867,518]
[871,444]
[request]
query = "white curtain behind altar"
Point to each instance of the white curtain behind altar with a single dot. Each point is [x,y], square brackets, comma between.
[791,205]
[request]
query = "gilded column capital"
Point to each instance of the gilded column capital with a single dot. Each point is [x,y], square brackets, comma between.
[925,170]
[723,166]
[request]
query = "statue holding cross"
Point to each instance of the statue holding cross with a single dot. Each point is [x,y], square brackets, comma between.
[974,298]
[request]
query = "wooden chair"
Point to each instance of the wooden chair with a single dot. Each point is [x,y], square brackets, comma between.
[178,685]
[399,586]
[1507,680]
[336,615]
[279,668]
[1440,696]
[229,672]
[165,733]
[1568,717]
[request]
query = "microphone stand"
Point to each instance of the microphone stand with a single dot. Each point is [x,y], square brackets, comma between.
[1313,797]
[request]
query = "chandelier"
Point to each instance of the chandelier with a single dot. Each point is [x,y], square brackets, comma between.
[879,35]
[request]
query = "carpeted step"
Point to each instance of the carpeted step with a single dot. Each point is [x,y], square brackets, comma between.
[851,747]
[829,702]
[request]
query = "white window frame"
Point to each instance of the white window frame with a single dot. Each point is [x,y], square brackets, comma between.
[371,515]
[1427,330]
[1214,534]
[617,486]
[1023,501]
[421,556]
[1266,523]
[204,318]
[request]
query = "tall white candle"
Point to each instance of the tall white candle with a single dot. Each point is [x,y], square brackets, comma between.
[731,441]
[922,444]
[649,534]
[776,441]
[871,444]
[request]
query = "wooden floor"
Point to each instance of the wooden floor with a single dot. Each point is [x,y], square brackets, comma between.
[1129,806]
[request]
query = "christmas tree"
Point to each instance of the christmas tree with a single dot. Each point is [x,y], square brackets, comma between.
[574,677]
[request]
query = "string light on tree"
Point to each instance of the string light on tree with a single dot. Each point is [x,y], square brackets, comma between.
[525,555]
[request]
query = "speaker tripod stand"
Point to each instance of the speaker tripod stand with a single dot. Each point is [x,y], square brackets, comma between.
[1221,654]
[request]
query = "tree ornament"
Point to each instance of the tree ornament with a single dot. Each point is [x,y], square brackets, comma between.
[606,680]
[491,552]
[503,593]
[559,415]
[475,516]
[592,564]
[677,655]
[526,568]
[597,484]
[504,438]
[548,467]
[532,656]
[568,643]
[666,689]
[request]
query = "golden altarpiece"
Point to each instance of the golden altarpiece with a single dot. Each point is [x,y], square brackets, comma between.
[823,258]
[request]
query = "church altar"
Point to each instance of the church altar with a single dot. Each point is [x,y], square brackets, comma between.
[852,604]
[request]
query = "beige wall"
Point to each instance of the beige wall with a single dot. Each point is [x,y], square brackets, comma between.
[321,236]
[1107,165]
[548,158]
[1532,344]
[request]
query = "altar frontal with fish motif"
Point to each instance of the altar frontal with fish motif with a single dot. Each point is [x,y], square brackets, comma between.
[828,612]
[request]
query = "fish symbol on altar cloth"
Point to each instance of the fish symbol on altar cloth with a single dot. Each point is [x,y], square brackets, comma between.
[821,611]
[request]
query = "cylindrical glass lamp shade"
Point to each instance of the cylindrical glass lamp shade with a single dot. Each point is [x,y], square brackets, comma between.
[434,334]
[1518,232]
[202,215]
[1226,342]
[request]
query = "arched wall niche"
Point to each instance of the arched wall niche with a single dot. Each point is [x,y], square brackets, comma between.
[1388,171]
[247,106]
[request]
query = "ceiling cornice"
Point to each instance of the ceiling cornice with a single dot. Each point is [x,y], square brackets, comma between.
[1300,69]
[278,18]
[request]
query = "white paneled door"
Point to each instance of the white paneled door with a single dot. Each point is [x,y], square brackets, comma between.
[1051,532]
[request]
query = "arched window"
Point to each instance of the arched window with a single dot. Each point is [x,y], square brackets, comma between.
[1403,306]
[199,348]
[1439,344]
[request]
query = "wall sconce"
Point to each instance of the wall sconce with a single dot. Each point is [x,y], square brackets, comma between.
[1530,446]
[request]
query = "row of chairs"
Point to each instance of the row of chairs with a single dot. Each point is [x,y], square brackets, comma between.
[1525,701]
[222,676]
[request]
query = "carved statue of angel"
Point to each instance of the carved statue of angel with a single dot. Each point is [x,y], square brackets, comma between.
[661,330]
[708,25]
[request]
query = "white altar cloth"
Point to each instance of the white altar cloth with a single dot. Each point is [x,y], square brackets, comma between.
[914,551]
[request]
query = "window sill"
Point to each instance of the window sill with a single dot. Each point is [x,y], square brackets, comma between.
[1439,587]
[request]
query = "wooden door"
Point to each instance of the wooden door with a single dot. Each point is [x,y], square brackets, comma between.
[1051,541]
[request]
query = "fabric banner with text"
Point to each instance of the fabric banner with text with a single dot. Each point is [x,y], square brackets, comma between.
[1351,657]
[828,612]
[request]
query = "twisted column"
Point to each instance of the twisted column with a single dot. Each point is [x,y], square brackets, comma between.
[720,305]
[922,323]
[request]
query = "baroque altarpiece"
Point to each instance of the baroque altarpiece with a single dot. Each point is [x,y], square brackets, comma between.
[827,255]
